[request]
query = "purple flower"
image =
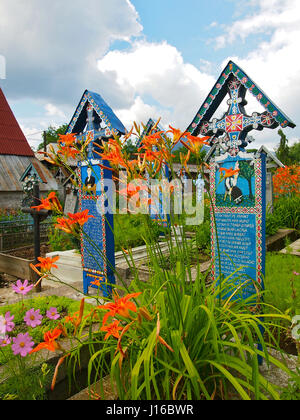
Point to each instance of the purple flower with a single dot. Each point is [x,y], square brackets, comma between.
[33,318]
[2,325]
[22,344]
[296,274]
[22,288]
[53,314]
[9,325]
[5,341]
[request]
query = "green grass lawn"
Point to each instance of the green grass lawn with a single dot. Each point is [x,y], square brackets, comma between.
[279,278]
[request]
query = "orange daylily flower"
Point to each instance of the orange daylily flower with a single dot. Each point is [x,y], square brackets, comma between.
[150,155]
[49,343]
[55,202]
[68,152]
[112,329]
[177,134]
[151,140]
[120,306]
[67,139]
[131,165]
[184,160]
[49,203]
[287,181]
[112,152]
[68,224]
[45,205]
[65,225]
[46,264]
[113,157]
[73,319]
[81,217]
[195,144]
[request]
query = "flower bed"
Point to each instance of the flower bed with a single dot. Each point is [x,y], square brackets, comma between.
[27,327]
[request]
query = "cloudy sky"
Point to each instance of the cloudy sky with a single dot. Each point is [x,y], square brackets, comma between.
[146,58]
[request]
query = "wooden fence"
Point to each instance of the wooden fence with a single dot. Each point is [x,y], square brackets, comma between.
[17,235]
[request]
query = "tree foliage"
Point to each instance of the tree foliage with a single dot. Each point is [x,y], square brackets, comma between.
[294,153]
[52,134]
[288,155]
[247,172]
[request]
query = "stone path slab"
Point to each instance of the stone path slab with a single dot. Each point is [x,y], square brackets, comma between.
[293,249]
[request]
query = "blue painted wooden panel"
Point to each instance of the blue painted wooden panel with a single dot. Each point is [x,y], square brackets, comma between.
[97,240]
[240,220]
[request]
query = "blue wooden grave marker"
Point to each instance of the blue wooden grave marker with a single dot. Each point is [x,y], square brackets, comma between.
[95,120]
[237,179]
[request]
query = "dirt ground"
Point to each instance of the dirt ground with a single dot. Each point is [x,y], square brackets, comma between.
[6,292]
[28,252]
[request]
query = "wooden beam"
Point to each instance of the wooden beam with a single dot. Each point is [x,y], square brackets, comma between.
[17,267]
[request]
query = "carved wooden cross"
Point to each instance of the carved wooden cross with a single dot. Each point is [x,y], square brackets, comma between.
[236,124]
[93,131]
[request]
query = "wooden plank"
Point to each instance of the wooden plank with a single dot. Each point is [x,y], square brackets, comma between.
[17,267]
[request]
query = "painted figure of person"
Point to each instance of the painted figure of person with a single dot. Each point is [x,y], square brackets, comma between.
[90,182]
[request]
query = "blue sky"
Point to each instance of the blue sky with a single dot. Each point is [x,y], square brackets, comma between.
[155,58]
[190,26]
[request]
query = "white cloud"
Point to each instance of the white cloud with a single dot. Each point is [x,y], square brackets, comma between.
[138,112]
[274,65]
[157,71]
[51,50]
[269,15]
[54,111]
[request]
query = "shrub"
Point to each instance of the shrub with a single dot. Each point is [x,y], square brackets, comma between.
[287,211]
[287,181]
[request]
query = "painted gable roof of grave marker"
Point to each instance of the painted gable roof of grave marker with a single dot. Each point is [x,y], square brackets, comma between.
[219,91]
[148,127]
[102,109]
[271,157]
[12,139]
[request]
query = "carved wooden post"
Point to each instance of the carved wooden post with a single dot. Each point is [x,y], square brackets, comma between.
[32,198]
[36,230]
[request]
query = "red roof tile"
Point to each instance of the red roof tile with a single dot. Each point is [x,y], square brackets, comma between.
[12,139]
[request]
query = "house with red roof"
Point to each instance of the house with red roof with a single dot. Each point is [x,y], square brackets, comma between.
[16,156]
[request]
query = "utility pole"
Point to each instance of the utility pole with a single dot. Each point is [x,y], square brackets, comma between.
[45,141]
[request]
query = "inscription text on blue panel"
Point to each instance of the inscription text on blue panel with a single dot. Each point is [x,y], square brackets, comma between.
[238,191]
